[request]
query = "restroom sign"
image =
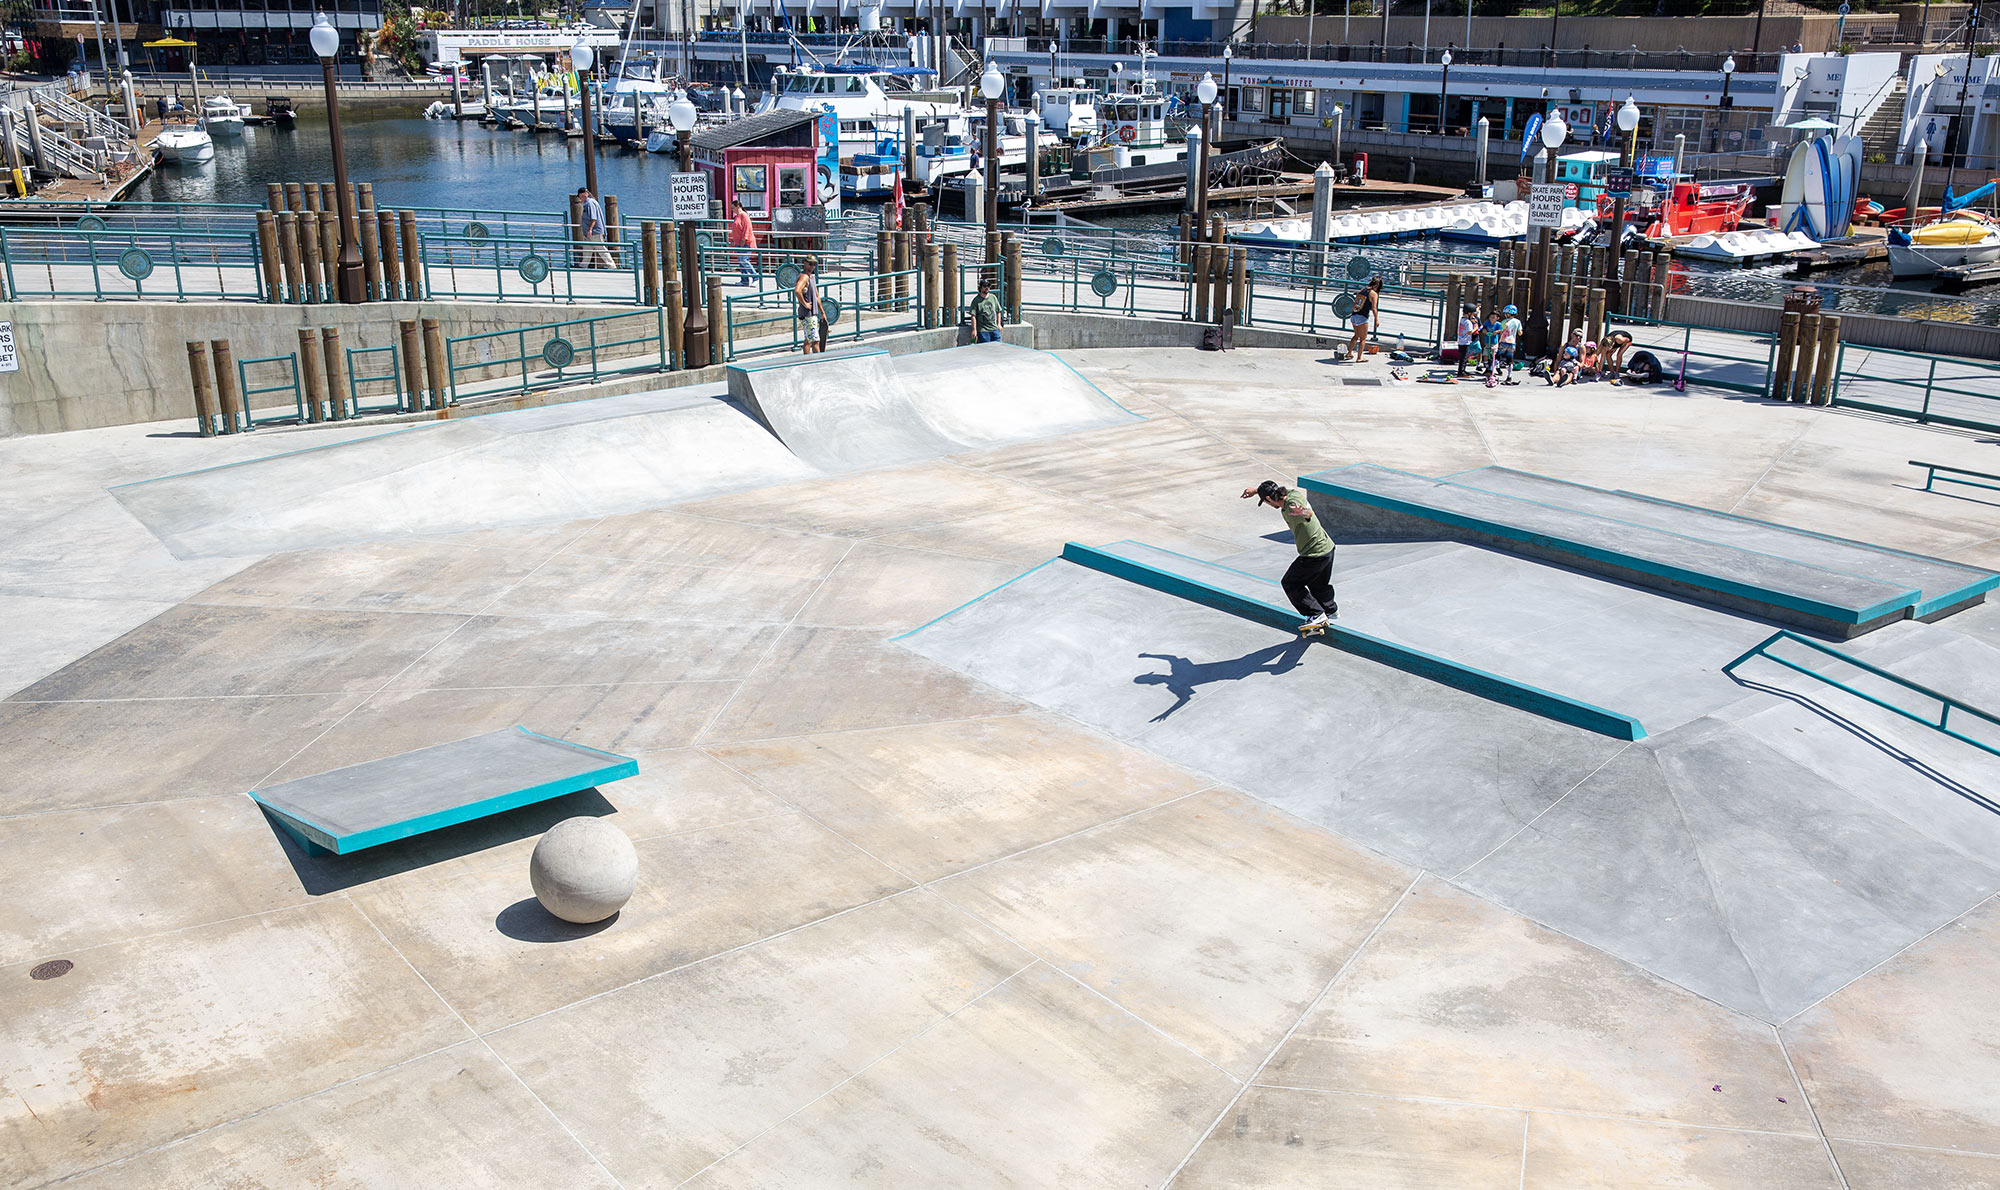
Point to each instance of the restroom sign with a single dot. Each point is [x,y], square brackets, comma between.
[10,361]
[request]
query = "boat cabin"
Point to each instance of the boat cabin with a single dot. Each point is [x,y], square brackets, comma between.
[770,161]
[1587,169]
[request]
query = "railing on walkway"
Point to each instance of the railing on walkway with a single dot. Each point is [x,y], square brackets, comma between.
[1932,477]
[1952,392]
[103,264]
[523,359]
[543,270]
[1946,703]
[284,373]
[767,319]
[373,391]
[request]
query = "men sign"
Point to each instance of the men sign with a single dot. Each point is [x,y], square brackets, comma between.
[689,194]
[1545,204]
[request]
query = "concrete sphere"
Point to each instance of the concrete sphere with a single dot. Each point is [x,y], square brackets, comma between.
[584,870]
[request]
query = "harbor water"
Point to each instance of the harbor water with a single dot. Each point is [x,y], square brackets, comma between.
[414,162]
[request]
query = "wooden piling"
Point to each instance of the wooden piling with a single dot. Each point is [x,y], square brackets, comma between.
[1779,382]
[718,337]
[649,257]
[386,246]
[308,225]
[435,369]
[899,264]
[1218,268]
[229,395]
[1010,256]
[1198,281]
[312,375]
[670,292]
[1802,362]
[879,288]
[410,339]
[413,263]
[371,249]
[294,197]
[1656,291]
[335,362]
[203,382]
[1558,317]
[274,196]
[1594,315]
[329,198]
[271,264]
[611,221]
[1829,359]
[329,252]
[951,294]
[933,294]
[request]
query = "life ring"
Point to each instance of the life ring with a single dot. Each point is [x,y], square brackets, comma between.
[1126,132]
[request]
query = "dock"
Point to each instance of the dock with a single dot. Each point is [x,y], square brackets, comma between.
[1857,249]
[1953,278]
[118,181]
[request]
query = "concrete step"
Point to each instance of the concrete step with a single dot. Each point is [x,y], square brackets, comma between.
[1946,586]
[1365,500]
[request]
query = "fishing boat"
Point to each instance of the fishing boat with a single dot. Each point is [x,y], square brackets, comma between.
[1135,126]
[183,144]
[1958,239]
[1069,113]
[872,175]
[221,116]
[1692,209]
[868,101]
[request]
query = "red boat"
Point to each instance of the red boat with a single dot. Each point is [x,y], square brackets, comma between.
[1693,209]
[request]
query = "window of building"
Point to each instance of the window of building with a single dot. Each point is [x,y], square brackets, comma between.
[791,186]
[1252,99]
[1306,103]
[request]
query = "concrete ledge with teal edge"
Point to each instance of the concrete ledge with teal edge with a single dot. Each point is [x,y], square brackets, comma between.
[366,805]
[1123,560]
[1366,500]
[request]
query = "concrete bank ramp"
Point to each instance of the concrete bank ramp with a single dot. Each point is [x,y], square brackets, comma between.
[1762,853]
[554,463]
[859,409]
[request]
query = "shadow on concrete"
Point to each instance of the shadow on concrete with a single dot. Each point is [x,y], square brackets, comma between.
[1908,487]
[1881,745]
[322,874]
[527,921]
[1183,676]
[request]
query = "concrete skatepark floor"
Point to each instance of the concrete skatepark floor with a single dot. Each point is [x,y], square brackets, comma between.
[903,924]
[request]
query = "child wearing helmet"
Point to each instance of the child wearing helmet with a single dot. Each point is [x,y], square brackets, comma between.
[1508,334]
[1590,361]
[1569,361]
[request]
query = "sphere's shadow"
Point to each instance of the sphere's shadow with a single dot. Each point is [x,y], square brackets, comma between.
[527,921]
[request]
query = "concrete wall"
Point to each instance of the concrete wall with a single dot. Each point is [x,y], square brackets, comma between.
[90,364]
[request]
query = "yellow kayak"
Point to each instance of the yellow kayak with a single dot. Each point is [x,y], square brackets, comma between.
[1962,227]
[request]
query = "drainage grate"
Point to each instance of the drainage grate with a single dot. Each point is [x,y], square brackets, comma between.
[53,969]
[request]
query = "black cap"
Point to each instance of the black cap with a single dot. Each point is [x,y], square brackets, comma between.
[1270,490]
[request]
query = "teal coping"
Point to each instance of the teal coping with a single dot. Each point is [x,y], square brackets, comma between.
[1442,670]
[319,835]
[1950,598]
[1800,603]
[799,361]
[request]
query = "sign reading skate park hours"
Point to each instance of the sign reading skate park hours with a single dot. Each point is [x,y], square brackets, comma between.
[689,192]
[1545,204]
[10,359]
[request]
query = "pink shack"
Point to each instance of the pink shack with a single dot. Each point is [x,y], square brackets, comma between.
[768,160]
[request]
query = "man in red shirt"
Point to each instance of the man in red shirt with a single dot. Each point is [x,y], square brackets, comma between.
[743,238]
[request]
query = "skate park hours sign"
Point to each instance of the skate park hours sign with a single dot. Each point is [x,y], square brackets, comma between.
[10,359]
[689,192]
[1545,204]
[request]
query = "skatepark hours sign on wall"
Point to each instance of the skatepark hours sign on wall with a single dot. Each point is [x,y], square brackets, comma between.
[690,195]
[1545,203]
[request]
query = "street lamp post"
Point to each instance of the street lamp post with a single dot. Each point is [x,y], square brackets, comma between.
[1535,334]
[1206,92]
[1228,55]
[681,116]
[581,57]
[1728,68]
[1444,59]
[1338,111]
[1628,123]
[990,86]
[351,282]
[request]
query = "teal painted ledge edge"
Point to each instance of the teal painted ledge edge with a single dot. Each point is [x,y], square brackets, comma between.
[800,361]
[1708,582]
[1444,671]
[311,832]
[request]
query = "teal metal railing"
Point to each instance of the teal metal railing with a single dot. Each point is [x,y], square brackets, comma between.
[288,367]
[108,265]
[766,320]
[548,270]
[556,353]
[378,384]
[1952,392]
[1946,703]
[1932,476]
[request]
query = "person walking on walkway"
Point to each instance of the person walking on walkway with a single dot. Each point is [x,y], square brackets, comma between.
[1308,582]
[805,303]
[987,313]
[595,254]
[743,238]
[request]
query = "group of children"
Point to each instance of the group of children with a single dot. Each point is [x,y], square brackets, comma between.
[1494,342]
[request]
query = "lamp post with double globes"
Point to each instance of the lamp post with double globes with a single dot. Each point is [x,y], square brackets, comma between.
[581,57]
[681,117]
[1535,332]
[1205,91]
[350,281]
[990,87]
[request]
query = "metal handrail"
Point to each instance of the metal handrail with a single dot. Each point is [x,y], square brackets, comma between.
[1933,476]
[1946,703]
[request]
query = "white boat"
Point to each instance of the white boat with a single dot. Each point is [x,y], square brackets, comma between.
[183,144]
[221,116]
[1476,222]
[1961,238]
[1747,246]
[868,101]
[1070,113]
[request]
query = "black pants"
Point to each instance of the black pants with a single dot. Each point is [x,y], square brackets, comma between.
[1308,584]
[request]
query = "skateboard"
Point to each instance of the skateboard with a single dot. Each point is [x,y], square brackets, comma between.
[1312,629]
[1438,376]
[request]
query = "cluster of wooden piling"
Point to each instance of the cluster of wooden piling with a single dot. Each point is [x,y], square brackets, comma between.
[1218,273]
[1808,352]
[299,240]
[321,364]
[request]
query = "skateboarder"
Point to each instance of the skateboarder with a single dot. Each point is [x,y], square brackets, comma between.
[1308,582]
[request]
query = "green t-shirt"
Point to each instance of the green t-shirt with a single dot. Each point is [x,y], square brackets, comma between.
[1298,512]
[987,312]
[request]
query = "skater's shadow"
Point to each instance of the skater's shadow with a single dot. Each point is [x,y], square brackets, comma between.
[1183,675]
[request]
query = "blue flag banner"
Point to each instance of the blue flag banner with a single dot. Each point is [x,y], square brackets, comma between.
[1530,134]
